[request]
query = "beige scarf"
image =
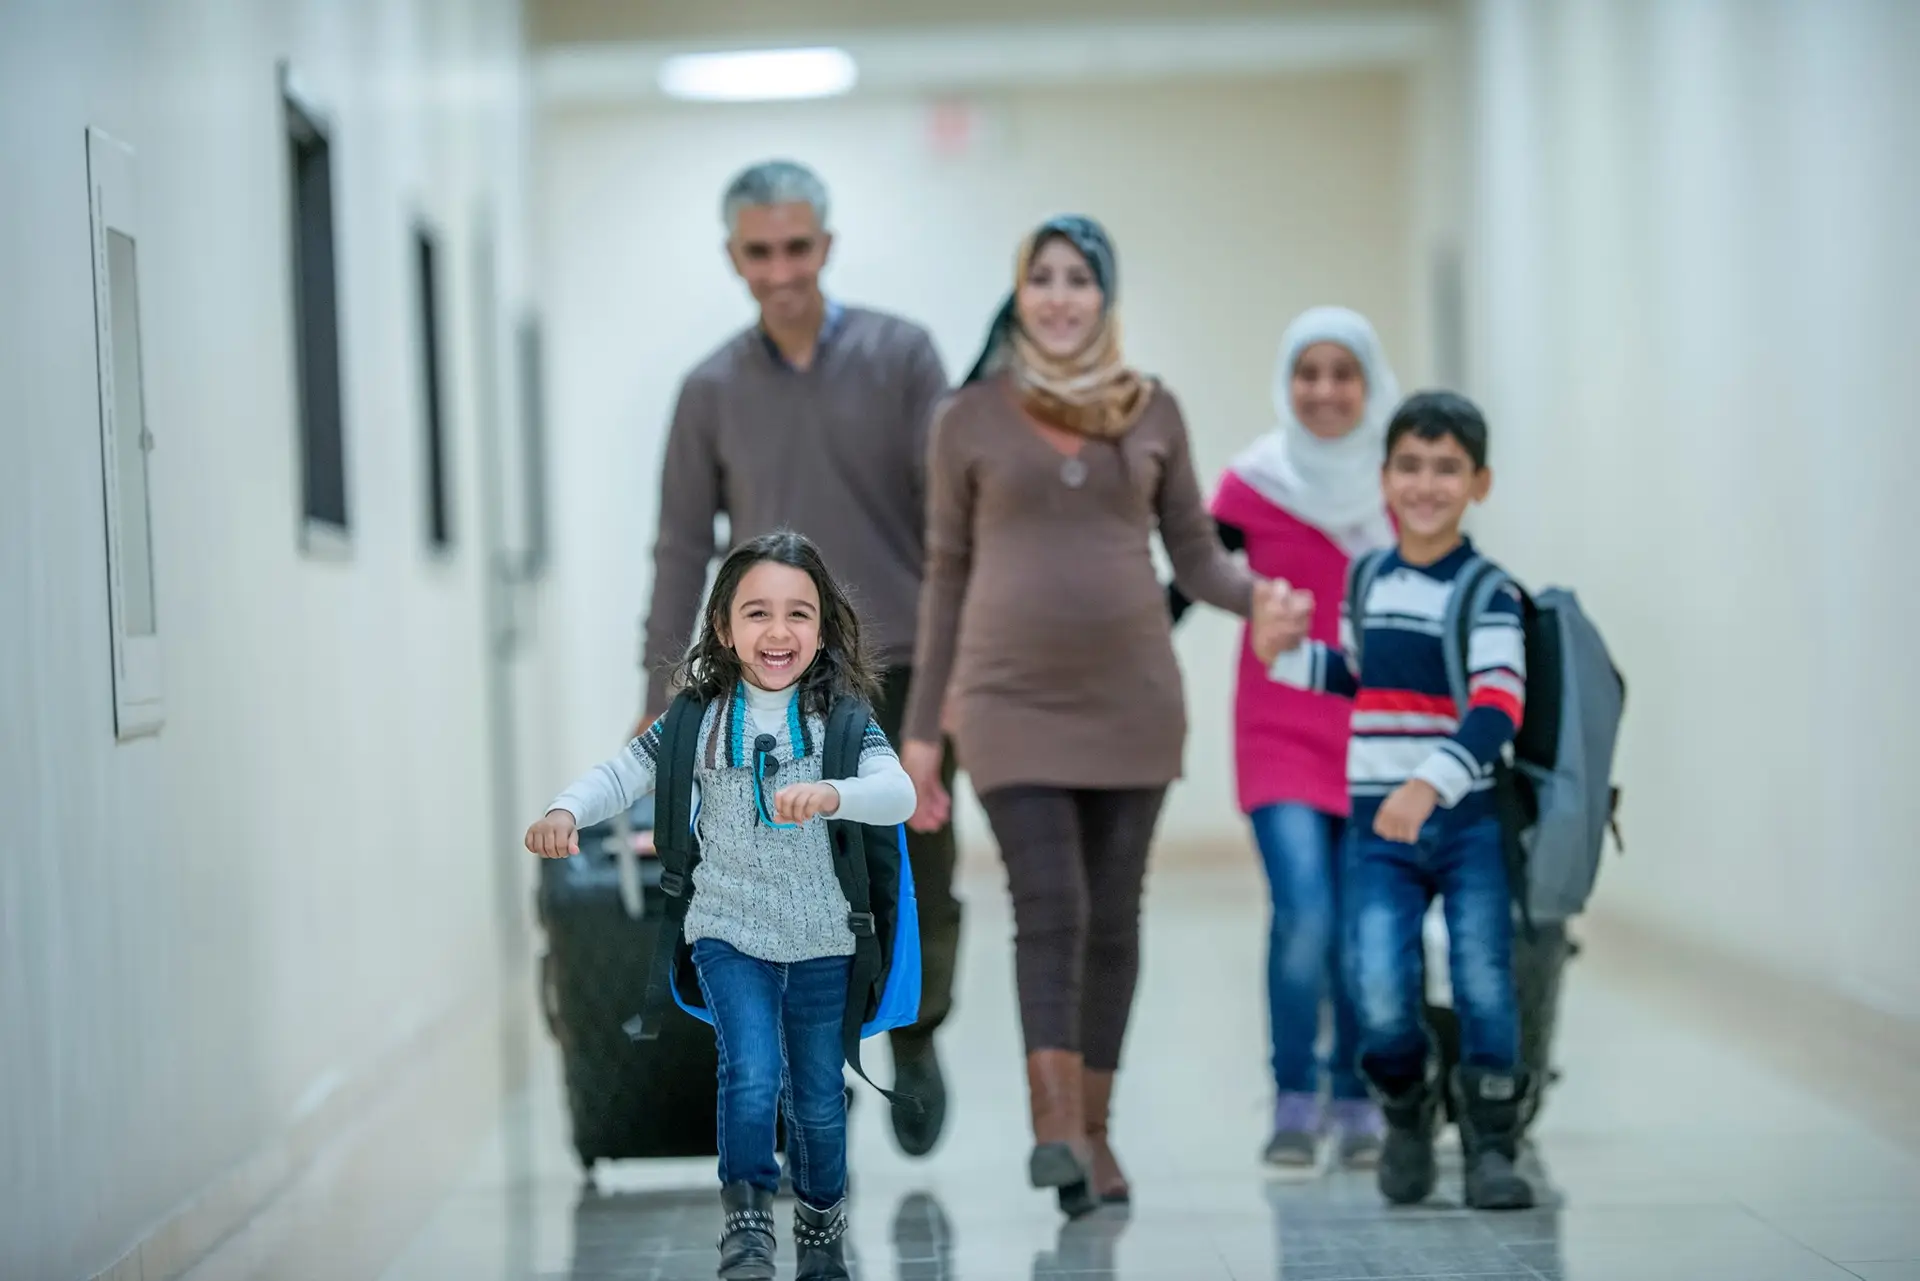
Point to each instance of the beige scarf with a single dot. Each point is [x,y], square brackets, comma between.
[1092,393]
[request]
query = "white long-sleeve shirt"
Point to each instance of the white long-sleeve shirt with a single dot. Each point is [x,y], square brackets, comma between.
[881,794]
[770,892]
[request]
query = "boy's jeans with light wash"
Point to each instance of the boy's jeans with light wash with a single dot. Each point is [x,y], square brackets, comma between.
[1300,847]
[1388,887]
[777,1027]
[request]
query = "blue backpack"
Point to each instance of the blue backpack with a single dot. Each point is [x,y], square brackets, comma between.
[883,989]
[1556,796]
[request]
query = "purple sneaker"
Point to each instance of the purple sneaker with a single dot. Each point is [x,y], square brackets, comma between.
[1297,1125]
[1359,1131]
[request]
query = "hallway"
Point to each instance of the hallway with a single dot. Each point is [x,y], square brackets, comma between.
[1676,1147]
[340,346]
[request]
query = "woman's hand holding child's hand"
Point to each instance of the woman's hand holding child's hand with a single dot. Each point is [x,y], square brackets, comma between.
[803,801]
[554,836]
[1281,619]
[1266,591]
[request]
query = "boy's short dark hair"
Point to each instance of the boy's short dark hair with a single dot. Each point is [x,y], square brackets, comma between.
[1435,415]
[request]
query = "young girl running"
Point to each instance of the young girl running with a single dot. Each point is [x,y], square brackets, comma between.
[768,922]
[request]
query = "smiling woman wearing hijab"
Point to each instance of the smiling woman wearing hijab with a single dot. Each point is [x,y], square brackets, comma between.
[1300,501]
[1042,622]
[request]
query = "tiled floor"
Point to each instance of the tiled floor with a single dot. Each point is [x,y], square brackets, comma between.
[1669,1151]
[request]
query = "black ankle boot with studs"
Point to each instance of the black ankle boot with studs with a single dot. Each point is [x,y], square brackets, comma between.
[746,1239]
[819,1243]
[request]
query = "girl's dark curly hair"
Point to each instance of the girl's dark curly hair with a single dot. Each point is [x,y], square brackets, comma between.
[843,666]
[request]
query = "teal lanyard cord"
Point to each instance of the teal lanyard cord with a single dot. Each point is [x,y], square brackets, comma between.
[763,755]
[760,790]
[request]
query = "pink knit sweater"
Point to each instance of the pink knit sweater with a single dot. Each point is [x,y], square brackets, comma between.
[1289,745]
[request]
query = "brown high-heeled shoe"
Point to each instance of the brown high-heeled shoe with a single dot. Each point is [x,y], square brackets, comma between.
[1060,1150]
[1109,1182]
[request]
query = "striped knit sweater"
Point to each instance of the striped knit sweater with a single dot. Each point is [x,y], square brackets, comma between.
[770,892]
[1405,722]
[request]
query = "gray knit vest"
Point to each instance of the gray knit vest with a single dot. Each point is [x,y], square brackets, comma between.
[769,892]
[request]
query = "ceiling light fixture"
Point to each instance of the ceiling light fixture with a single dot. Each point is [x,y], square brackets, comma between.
[759,75]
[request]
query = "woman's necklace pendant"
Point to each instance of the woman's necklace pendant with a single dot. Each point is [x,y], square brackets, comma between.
[1074,472]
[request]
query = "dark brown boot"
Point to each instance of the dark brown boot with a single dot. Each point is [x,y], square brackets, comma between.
[1060,1150]
[1109,1182]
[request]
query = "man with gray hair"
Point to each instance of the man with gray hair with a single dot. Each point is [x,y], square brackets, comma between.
[816,419]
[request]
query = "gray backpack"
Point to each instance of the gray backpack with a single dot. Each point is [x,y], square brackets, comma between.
[1556,797]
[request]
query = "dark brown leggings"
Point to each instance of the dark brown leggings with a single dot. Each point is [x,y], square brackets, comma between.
[1075,859]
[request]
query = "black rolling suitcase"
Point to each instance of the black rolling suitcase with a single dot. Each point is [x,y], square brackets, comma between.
[627,1098]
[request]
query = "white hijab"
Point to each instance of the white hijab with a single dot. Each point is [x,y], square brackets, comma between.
[1333,485]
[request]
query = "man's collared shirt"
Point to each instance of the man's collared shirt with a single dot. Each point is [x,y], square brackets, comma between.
[829,326]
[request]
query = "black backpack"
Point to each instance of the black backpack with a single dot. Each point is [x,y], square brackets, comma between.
[883,988]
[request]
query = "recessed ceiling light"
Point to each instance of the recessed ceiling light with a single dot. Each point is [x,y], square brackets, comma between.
[758,75]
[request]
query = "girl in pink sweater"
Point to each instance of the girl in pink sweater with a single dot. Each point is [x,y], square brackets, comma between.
[1302,500]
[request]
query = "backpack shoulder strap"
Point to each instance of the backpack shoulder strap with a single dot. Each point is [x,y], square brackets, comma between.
[1361,573]
[679,853]
[673,791]
[1473,590]
[840,758]
[845,739]
[846,732]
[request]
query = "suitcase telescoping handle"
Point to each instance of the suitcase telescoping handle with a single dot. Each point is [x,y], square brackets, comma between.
[633,894]
[673,819]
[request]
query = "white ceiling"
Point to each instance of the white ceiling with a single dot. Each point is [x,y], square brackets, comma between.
[933,60]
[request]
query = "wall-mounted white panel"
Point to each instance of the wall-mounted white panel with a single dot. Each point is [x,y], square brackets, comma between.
[125,439]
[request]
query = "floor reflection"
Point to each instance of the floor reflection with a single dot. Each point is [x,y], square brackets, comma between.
[1677,1154]
[644,1234]
[1084,1249]
[667,1235]
[922,1240]
[1338,1226]
[1324,1228]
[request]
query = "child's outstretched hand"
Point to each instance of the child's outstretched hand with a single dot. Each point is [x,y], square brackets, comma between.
[803,801]
[1404,813]
[554,836]
[1281,619]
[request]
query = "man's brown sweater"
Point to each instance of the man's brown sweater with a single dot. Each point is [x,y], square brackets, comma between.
[836,451]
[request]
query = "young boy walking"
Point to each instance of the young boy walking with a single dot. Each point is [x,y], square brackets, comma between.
[1421,770]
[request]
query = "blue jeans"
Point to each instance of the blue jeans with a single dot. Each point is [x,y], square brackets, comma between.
[1300,848]
[778,1032]
[1389,886]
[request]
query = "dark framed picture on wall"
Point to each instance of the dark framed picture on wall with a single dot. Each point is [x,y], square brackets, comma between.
[432,327]
[533,427]
[319,403]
